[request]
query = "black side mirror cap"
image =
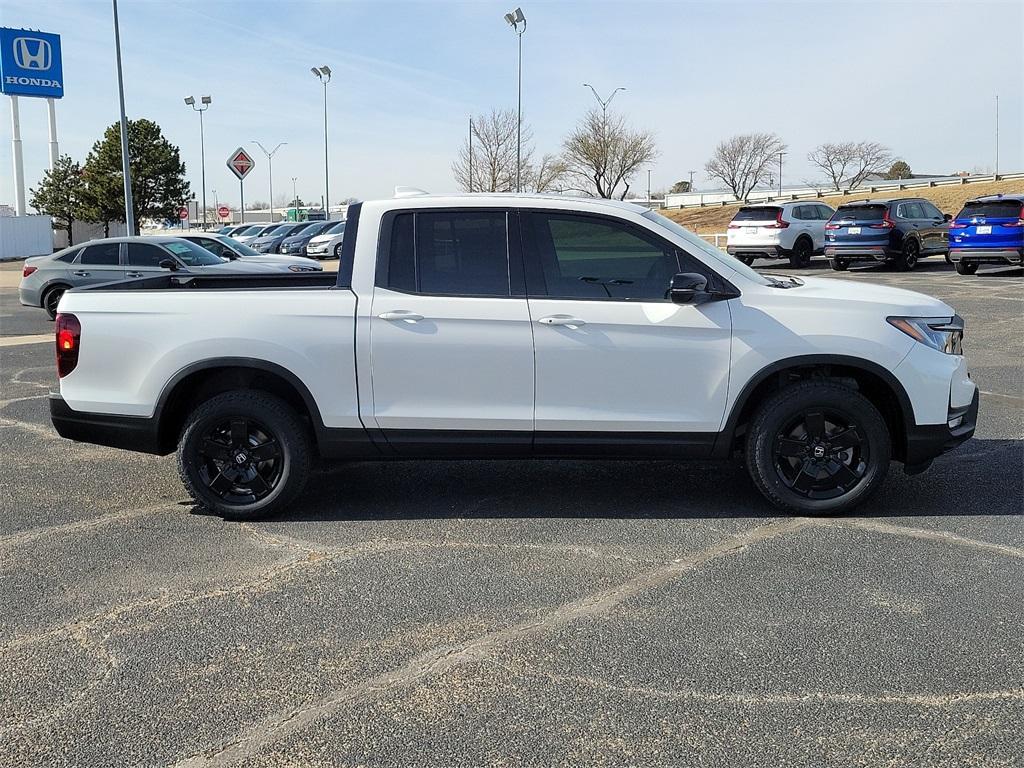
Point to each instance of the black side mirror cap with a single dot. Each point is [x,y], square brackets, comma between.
[947,217]
[170,264]
[688,288]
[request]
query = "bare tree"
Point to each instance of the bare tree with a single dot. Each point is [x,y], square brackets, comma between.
[850,162]
[549,174]
[603,154]
[494,154]
[742,162]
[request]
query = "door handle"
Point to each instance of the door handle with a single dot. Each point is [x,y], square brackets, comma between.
[566,320]
[400,314]
[133,274]
[81,273]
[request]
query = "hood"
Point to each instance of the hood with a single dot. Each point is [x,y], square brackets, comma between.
[240,266]
[898,300]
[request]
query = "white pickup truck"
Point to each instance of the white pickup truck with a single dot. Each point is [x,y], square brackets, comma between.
[489,326]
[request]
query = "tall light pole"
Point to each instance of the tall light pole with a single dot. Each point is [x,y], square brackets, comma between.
[471,153]
[997,138]
[324,75]
[515,19]
[691,180]
[295,195]
[270,171]
[603,102]
[780,173]
[129,212]
[648,187]
[202,107]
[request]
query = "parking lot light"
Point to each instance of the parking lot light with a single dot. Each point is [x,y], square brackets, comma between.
[270,171]
[324,75]
[205,105]
[515,19]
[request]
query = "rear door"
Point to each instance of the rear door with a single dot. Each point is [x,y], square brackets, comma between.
[97,263]
[451,344]
[617,362]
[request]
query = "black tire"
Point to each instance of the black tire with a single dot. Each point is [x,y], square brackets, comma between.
[52,298]
[839,265]
[337,251]
[907,258]
[748,260]
[948,259]
[800,257]
[817,448]
[244,455]
[965,268]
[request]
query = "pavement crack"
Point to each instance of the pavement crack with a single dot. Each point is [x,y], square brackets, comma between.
[31,534]
[941,536]
[439,660]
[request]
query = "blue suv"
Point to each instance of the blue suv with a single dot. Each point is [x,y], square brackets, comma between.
[898,232]
[989,230]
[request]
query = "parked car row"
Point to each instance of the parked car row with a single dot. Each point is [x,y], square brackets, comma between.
[899,232]
[319,239]
[44,279]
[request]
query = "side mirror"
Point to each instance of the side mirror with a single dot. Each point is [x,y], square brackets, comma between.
[947,217]
[688,288]
[170,264]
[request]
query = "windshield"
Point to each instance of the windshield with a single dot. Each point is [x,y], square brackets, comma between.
[702,245]
[306,228]
[192,255]
[335,229]
[250,230]
[269,230]
[240,248]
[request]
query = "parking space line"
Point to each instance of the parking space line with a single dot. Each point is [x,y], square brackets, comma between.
[443,658]
[944,537]
[15,341]
[1014,398]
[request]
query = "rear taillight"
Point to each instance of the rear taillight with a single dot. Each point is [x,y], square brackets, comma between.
[27,270]
[779,223]
[1020,219]
[958,225]
[830,225]
[885,223]
[69,340]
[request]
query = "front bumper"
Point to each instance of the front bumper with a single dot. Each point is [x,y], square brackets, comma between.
[1012,256]
[758,251]
[925,442]
[132,433]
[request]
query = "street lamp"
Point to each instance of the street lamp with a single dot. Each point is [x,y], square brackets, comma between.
[295,195]
[129,211]
[270,171]
[204,105]
[603,102]
[514,19]
[324,75]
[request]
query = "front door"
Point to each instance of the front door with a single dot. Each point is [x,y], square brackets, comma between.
[617,362]
[451,344]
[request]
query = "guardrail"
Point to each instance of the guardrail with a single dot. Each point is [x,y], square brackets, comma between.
[767,196]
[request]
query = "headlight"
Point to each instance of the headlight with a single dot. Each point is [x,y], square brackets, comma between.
[302,268]
[945,334]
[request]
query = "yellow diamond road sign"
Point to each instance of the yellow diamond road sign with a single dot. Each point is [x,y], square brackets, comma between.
[240,162]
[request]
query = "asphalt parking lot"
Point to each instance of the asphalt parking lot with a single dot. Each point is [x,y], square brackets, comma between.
[511,613]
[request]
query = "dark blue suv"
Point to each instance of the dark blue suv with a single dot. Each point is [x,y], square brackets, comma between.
[898,232]
[989,230]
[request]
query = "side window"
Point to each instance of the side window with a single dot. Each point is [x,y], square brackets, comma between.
[584,257]
[101,255]
[824,212]
[930,211]
[68,257]
[805,213]
[908,211]
[145,255]
[455,254]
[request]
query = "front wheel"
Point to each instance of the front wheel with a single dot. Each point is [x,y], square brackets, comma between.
[965,268]
[337,251]
[817,448]
[244,455]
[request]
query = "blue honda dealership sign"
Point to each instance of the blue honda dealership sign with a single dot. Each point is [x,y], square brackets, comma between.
[30,63]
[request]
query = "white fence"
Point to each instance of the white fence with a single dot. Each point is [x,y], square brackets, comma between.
[706,199]
[24,236]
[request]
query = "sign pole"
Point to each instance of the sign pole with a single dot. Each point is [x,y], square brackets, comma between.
[129,208]
[51,109]
[241,200]
[19,167]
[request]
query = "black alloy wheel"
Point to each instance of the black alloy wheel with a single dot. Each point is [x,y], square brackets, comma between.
[820,454]
[240,461]
[907,260]
[802,250]
[966,268]
[52,299]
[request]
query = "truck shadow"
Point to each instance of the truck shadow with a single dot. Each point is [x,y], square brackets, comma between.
[983,477]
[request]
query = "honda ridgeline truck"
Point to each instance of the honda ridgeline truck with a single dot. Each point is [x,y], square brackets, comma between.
[493,326]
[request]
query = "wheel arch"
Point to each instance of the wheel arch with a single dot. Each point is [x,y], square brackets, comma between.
[873,381]
[202,380]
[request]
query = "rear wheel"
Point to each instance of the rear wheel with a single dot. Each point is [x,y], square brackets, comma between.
[966,268]
[748,260]
[244,455]
[839,265]
[817,448]
[907,259]
[801,254]
[52,298]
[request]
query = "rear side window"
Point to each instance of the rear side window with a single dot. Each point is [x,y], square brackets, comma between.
[910,211]
[757,214]
[145,255]
[101,254]
[69,256]
[992,209]
[453,254]
[584,257]
[860,213]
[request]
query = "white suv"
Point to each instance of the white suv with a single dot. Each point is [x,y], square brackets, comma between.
[778,230]
[328,243]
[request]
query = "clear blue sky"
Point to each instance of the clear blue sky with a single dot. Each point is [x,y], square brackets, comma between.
[407,75]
